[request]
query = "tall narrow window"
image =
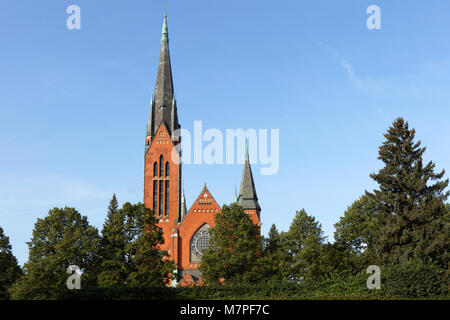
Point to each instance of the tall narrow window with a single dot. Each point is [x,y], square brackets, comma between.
[155,196]
[155,169]
[161,166]
[167,169]
[167,197]
[161,198]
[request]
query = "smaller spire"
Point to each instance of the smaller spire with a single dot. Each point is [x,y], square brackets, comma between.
[183,204]
[247,193]
[235,195]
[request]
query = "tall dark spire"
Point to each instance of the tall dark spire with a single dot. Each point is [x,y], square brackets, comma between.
[247,193]
[163,106]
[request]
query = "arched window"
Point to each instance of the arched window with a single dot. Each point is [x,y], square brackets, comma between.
[155,169]
[155,196]
[161,166]
[161,198]
[167,198]
[200,242]
[167,169]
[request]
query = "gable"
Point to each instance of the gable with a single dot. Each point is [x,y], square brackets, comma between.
[205,203]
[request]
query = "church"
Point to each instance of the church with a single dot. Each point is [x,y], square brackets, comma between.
[185,231]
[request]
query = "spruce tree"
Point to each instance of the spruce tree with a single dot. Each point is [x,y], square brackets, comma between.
[9,267]
[113,206]
[275,261]
[235,249]
[151,266]
[114,266]
[130,249]
[411,200]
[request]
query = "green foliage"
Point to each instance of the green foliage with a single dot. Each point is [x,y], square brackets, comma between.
[113,206]
[150,267]
[411,207]
[115,263]
[129,246]
[415,280]
[9,268]
[275,259]
[61,239]
[235,248]
[304,242]
[354,231]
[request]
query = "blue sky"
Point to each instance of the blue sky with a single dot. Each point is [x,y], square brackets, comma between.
[74,103]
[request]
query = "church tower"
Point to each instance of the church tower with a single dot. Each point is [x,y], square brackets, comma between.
[185,231]
[162,174]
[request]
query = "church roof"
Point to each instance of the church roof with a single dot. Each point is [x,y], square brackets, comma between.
[205,203]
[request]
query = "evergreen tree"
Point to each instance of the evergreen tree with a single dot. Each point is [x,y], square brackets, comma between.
[9,268]
[235,248]
[61,239]
[275,259]
[129,246]
[304,244]
[115,266]
[411,200]
[113,206]
[150,266]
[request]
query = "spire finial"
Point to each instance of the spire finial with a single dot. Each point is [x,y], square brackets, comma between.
[165,32]
[246,149]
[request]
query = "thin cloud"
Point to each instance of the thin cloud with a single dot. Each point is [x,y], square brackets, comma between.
[351,74]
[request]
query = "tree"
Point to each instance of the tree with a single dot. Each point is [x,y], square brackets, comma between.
[9,267]
[150,265]
[61,239]
[113,206]
[304,243]
[235,248]
[115,265]
[355,230]
[411,200]
[130,249]
[275,260]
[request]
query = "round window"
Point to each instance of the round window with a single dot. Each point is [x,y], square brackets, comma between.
[201,242]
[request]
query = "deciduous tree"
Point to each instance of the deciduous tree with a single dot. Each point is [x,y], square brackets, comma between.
[61,239]
[235,248]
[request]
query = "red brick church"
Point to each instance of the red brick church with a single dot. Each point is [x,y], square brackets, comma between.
[185,231]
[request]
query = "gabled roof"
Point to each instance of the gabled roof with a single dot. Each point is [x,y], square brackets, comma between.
[205,203]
